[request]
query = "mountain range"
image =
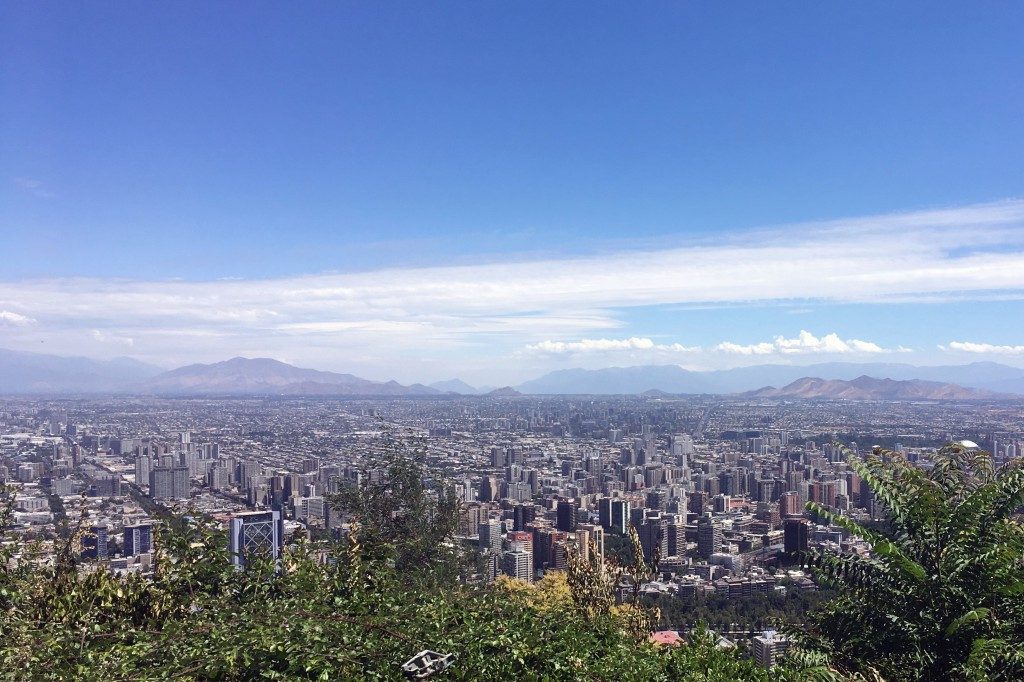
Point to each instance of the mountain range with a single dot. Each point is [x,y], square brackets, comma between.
[988,376]
[34,373]
[869,388]
[22,372]
[263,376]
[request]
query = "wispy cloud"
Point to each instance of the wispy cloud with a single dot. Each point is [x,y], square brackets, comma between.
[14,319]
[982,348]
[503,306]
[104,337]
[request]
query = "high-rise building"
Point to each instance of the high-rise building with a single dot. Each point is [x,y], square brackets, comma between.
[620,515]
[654,535]
[604,512]
[768,647]
[217,478]
[789,504]
[94,543]
[490,490]
[523,514]
[566,516]
[169,483]
[490,533]
[709,537]
[796,532]
[143,464]
[590,537]
[138,539]
[259,533]
[518,564]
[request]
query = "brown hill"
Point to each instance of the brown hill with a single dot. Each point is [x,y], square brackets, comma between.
[870,388]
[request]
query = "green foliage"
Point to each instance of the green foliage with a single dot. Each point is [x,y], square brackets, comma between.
[351,618]
[942,594]
[352,609]
[402,519]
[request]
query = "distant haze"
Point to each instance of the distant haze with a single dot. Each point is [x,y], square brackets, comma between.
[26,373]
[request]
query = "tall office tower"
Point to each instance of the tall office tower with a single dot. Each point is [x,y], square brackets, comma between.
[657,499]
[796,533]
[169,483]
[143,464]
[259,533]
[138,539]
[490,490]
[676,538]
[217,477]
[654,535]
[523,514]
[469,519]
[498,458]
[620,516]
[518,564]
[565,515]
[709,537]
[590,537]
[490,532]
[94,543]
[247,471]
[768,647]
[604,512]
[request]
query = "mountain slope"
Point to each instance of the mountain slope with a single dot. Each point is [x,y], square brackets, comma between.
[869,388]
[22,372]
[455,386]
[262,376]
[674,379]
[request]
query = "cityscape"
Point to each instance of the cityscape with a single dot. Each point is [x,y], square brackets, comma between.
[483,342]
[716,487]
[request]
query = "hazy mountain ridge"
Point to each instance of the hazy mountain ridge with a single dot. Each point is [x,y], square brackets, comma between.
[456,386]
[263,376]
[673,379]
[870,388]
[23,372]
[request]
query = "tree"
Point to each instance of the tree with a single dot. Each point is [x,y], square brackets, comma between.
[400,517]
[942,594]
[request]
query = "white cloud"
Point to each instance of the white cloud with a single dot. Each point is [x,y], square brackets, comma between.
[984,348]
[387,315]
[104,337]
[608,345]
[14,319]
[763,348]
[805,342]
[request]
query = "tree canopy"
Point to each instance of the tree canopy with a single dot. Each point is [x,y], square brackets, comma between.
[941,596]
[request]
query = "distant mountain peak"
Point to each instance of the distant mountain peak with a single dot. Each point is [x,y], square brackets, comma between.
[266,376]
[455,386]
[504,392]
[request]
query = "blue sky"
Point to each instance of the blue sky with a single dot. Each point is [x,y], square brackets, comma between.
[341,158]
